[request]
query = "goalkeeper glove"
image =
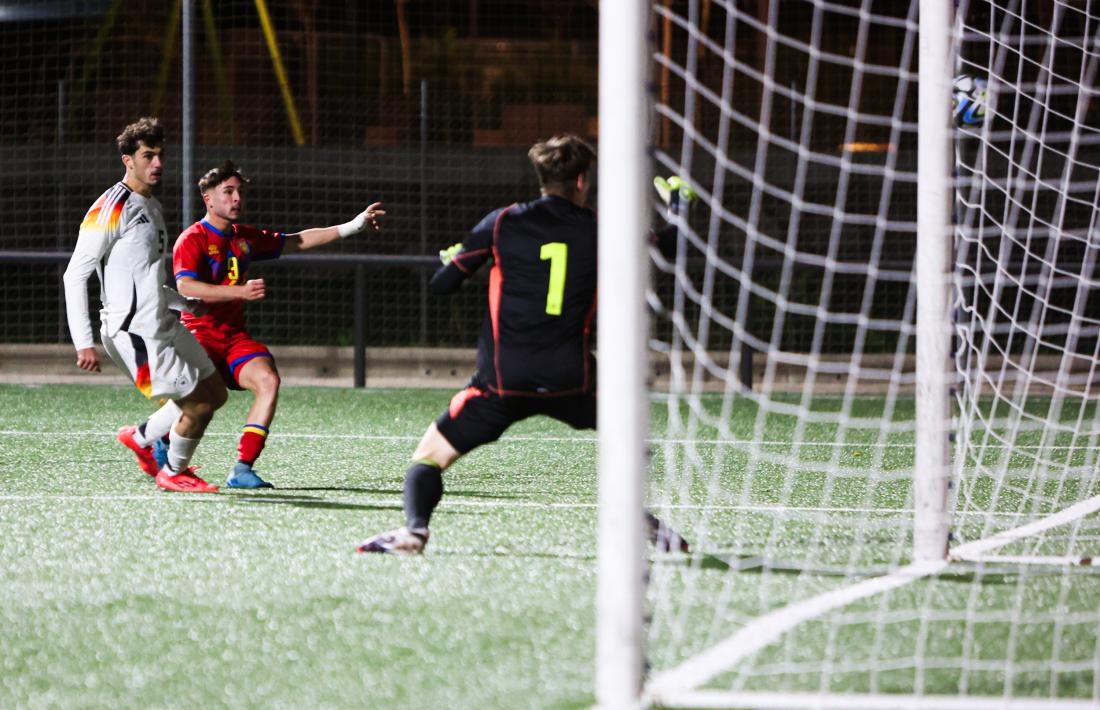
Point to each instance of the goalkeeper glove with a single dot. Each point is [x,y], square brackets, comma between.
[674,191]
[445,255]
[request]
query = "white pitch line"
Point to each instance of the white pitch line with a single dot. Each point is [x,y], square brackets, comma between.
[453,501]
[555,439]
[284,435]
[261,498]
[1032,560]
[764,700]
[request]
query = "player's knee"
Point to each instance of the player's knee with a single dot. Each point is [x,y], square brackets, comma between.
[262,381]
[269,382]
[435,448]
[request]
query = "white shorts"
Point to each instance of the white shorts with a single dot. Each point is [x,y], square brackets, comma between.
[162,369]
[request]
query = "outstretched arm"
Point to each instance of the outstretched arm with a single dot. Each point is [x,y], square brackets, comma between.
[459,263]
[462,260]
[316,236]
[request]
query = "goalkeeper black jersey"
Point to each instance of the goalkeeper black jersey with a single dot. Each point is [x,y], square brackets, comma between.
[541,297]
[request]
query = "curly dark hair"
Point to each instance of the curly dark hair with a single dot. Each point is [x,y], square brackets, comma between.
[559,160]
[145,130]
[220,174]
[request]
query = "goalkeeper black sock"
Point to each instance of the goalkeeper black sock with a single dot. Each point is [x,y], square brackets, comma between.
[423,490]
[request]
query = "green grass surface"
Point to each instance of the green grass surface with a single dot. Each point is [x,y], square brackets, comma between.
[117,594]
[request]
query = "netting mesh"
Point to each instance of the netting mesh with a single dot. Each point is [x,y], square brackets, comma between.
[1028,292]
[428,106]
[796,124]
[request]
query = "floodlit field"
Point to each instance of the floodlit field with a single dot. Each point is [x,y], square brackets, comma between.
[119,594]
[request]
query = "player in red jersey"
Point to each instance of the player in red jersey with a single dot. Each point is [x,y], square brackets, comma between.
[210,262]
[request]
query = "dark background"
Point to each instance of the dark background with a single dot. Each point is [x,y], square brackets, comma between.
[430,106]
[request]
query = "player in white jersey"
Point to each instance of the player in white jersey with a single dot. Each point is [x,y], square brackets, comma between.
[122,240]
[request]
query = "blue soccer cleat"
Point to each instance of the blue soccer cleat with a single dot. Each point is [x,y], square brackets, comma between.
[242,476]
[160,453]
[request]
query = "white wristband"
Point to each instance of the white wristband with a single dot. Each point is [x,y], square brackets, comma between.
[354,226]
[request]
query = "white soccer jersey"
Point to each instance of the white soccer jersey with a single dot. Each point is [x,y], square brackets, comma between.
[122,239]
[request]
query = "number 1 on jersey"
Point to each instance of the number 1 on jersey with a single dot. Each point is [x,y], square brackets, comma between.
[556,252]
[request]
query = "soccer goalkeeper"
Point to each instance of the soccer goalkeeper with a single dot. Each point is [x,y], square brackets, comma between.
[534,354]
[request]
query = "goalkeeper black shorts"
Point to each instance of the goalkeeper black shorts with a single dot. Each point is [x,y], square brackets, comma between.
[476,416]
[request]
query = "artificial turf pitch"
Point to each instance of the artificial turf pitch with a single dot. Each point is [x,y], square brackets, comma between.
[117,594]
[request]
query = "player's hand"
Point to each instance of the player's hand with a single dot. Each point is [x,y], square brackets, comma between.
[87,359]
[372,213]
[253,290]
[674,191]
[446,255]
[366,218]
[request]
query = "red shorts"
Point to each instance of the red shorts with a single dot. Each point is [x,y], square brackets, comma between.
[230,348]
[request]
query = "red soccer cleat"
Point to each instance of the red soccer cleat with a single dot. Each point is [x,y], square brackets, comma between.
[185,482]
[144,454]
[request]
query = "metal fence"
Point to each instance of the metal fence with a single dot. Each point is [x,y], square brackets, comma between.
[427,106]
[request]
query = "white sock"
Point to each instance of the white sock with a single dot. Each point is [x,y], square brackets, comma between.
[158,424]
[180,451]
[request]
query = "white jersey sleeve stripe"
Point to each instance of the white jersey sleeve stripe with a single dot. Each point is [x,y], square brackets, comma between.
[99,228]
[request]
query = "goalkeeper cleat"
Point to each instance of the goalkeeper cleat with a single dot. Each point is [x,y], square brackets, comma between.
[242,476]
[662,537]
[144,454]
[185,482]
[160,453]
[401,541]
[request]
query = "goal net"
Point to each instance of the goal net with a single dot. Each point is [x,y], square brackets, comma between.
[785,440]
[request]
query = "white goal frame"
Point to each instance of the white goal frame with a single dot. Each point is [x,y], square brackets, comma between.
[623,221]
[621,372]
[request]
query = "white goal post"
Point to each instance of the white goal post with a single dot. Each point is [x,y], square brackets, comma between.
[864,382]
[935,195]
